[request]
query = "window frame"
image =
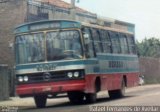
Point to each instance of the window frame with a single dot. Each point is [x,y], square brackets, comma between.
[87,30]
[124,47]
[99,42]
[131,44]
[105,40]
[115,48]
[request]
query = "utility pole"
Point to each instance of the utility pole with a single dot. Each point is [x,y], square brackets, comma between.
[73,10]
[72,3]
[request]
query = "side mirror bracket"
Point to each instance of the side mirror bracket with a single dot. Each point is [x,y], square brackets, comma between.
[86,39]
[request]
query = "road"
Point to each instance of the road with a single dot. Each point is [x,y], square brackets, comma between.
[138,96]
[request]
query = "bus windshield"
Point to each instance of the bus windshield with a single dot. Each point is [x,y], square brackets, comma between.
[63,45]
[50,46]
[30,48]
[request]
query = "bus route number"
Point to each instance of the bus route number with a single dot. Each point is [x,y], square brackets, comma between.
[46,67]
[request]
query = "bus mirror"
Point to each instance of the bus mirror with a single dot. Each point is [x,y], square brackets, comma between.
[11,46]
[86,38]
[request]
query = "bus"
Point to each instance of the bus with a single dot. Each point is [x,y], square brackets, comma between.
[78,59]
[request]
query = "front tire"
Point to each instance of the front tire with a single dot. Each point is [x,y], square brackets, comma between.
[118,93]
[91,97]
[76,97]
[40,101]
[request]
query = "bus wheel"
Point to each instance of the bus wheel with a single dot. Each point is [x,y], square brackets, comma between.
[118,93]
[91,97]
[40,101]
[76,97]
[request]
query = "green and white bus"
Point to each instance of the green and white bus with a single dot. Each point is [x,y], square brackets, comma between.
[80,59]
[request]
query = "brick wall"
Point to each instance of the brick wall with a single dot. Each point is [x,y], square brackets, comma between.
[11,14]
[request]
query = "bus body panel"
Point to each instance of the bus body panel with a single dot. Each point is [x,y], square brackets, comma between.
[109,79]
[108,82]
[50,87]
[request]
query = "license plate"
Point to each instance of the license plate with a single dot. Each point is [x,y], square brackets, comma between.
[47,89]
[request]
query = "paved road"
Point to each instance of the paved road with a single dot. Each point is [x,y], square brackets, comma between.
[137,96]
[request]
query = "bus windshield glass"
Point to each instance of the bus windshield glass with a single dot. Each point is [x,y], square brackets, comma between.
[30,48]
[50,46]
[63,45]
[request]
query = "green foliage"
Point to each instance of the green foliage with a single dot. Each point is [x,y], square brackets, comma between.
[149,48]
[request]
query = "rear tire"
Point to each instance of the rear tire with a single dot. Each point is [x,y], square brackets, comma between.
[118,93]
[91,97]
[40,101]
[76,97]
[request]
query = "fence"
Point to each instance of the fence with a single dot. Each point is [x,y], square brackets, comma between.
[4,82]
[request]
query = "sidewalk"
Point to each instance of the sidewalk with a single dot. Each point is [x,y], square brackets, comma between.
[16,101]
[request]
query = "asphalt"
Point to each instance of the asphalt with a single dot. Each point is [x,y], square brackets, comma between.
[147,95]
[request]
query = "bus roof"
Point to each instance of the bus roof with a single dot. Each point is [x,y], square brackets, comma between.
[106,28]
[47,24]
[59,24]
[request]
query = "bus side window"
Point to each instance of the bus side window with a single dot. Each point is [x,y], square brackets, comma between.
[89,47]
[123,43]
[115,42]
[106,42]
[131,44]
[97,41]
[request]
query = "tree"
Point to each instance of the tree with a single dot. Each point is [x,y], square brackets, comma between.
[149,47]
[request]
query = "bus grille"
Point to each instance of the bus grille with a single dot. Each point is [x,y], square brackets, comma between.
[50,77]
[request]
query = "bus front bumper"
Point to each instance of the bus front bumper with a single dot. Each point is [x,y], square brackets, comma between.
[49,88]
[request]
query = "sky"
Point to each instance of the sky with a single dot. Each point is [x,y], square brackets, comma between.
[145,14]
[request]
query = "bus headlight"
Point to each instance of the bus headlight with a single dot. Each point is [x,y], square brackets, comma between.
[20,79]
[25,78]
[76,74]
[70,74]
